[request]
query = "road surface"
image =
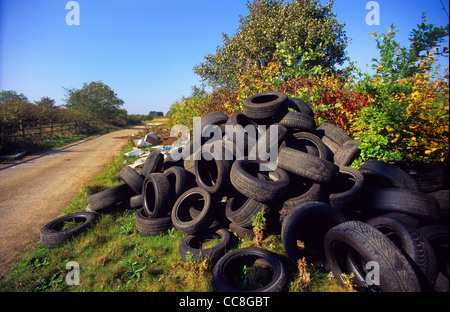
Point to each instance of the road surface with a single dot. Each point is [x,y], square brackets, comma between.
[35,190]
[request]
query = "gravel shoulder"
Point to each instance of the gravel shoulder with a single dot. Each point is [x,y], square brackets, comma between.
[34,190]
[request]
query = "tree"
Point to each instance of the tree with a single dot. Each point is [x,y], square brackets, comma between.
[304,24]
[46,102]
[95,100]
[11,95]
[397,62]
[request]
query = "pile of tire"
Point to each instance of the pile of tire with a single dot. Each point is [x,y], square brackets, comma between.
[385,223]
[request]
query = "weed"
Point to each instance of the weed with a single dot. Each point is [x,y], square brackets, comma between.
[134,270]
[348,281]
[259,226]
[303,281]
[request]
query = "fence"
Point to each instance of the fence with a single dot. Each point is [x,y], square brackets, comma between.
[14,131]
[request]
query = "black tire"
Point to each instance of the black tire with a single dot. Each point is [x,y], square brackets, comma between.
[242,232]
[305,191]
[109,198]
[429,177]
[199,199]
[269,142]
[265,105]
[298,121]
[380,173]
[170,160]
[212,168]
[334,133]
[310,167]
[348,192]
[153,163]
[240,209]
[227,273]
[309,223]
[193,244]
[52,234]
[438,236]
[307,143]
[132,178]
[442,197]
[178,179]
[409,202]
[414,245]
[347,153]
[351,245]
[243,132]
[137,201]
[264,187]
[300,106]
[210,124]
[152,226]
[156,194]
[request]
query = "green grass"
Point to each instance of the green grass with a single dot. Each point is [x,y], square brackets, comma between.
[114,257]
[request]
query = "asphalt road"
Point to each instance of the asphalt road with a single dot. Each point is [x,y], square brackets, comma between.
[34,190]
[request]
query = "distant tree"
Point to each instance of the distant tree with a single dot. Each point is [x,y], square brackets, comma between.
[46,102]
[154,114]
[11,95]
[95,100]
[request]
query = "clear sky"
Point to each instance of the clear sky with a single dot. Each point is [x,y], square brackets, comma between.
[146,50]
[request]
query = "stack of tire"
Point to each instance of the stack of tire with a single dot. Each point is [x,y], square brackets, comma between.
[385,223]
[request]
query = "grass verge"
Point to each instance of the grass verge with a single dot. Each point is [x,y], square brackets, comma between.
[114,257]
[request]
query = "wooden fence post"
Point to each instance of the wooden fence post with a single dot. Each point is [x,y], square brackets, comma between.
[22,129]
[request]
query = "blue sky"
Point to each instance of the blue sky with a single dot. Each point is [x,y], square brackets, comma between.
[145,50]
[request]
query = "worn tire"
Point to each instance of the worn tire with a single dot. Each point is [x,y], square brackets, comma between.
[347,153]
[193,245]
[414,245]
[310,167]
[109,198]
[242,232]
[349,190]
[199,199]
[212,168]
[298,121]
[429,177]
[334,133]
[244,133]
[240,210]
[137,201]
[442,197]
[438,236]
[224,271]
[151,226]
[307,143]
[156,193]
[409,202]
[300,106]
[380,173]
[265,105]
[51,234]
[302,191]
[178,179]
[132,178]
[245,178]
[309,223]
[153,163]
[352,244]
